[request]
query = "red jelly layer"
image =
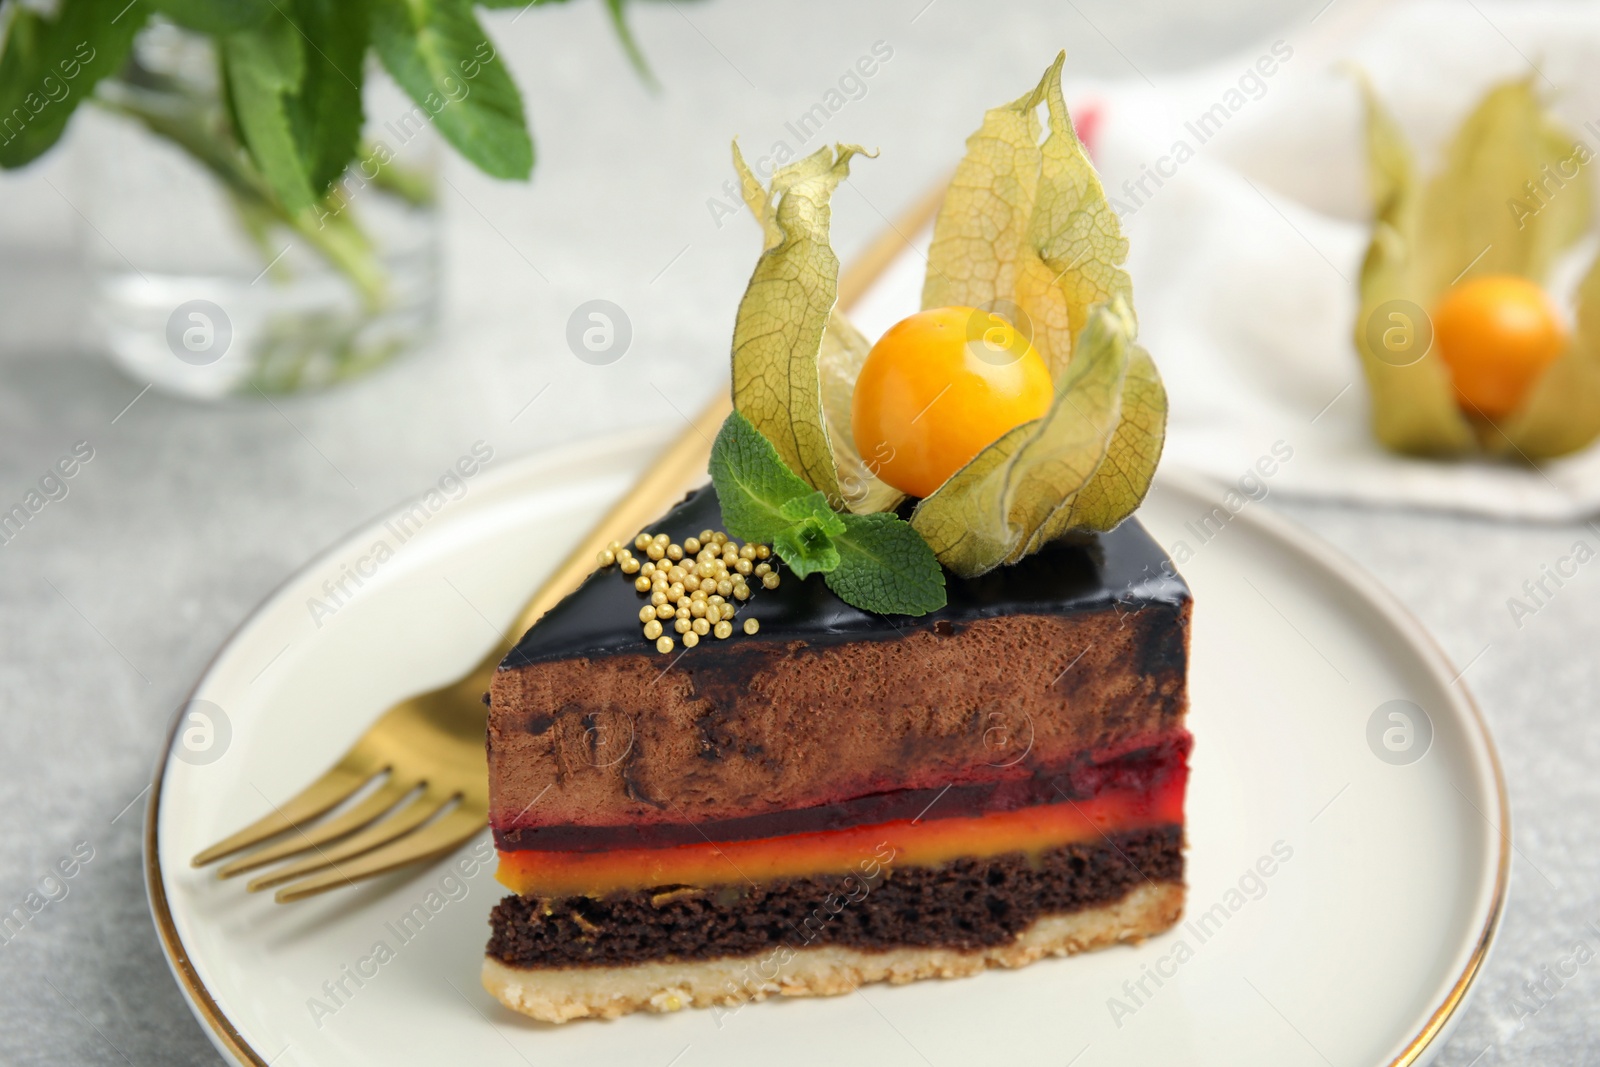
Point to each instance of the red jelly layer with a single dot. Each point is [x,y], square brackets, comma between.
[904,842]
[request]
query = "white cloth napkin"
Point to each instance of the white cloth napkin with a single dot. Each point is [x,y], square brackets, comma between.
[1245,258]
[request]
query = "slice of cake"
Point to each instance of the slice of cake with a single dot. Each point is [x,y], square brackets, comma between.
[929,716]
[840,797]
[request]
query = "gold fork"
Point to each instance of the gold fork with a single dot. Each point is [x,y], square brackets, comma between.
[428,750]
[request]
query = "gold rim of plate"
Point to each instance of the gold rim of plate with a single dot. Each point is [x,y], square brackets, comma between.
[853,283]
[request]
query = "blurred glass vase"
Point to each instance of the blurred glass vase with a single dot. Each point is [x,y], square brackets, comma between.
[202,284]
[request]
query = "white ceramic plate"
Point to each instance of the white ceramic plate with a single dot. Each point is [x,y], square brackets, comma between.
[1387,874]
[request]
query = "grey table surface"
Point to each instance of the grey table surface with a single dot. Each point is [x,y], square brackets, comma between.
[116,596]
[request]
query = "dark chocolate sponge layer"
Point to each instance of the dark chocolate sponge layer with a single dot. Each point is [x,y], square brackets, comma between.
[965,905]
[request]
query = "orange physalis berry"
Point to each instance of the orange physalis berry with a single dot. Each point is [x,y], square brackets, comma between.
[938,388]
[1497,334]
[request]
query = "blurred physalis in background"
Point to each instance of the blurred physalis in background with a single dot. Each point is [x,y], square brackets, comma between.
[1466,349]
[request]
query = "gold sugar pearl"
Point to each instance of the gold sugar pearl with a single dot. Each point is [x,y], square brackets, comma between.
[606,557]
[697,587]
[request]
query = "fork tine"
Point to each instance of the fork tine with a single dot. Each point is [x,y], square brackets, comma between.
[381,800]
[407,818]
[340,781]
[438,839]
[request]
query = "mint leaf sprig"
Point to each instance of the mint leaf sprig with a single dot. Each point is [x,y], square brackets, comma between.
[875,562]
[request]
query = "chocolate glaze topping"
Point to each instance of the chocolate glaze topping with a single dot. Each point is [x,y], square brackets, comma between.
[1123,567]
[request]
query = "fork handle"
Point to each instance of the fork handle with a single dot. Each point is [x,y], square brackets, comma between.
[668,477]
[685,459]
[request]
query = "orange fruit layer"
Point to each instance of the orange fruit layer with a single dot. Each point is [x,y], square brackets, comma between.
[905,842]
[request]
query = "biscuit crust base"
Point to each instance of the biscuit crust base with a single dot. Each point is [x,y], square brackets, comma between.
[558,995]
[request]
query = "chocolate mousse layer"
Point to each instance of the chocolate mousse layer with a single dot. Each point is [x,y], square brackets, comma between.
[1077,651]
[1140,770]
[965,905]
